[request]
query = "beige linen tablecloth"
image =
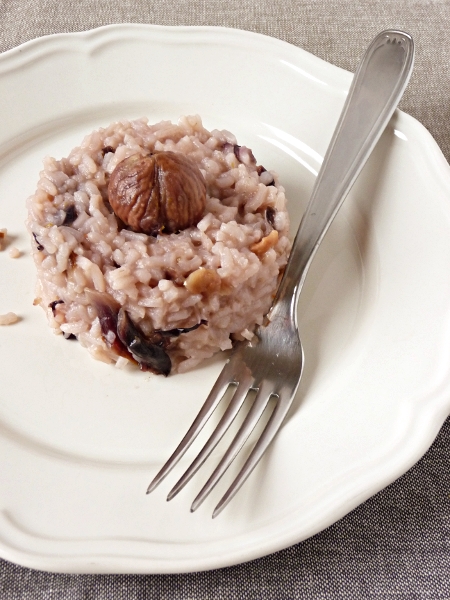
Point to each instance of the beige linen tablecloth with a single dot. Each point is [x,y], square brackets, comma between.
[397,544]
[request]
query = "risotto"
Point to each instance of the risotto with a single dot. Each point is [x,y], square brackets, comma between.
[157,244]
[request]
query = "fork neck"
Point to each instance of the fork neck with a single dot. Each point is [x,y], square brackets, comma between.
[285,302]
[376,89]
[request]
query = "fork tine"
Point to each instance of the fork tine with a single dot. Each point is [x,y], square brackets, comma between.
[228,417]
[253,416]
[269,432]
[211,402]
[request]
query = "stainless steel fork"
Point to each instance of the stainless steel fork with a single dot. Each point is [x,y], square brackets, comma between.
[273,364]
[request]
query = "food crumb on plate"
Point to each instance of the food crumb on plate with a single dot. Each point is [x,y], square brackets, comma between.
[8,319]
[14,252]
[121,362]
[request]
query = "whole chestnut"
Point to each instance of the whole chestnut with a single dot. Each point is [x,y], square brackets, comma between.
[160,192]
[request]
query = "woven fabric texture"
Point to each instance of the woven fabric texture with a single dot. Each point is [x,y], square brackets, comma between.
[335,30]
[397,544]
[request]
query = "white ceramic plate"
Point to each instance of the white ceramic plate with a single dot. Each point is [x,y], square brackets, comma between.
[80,440]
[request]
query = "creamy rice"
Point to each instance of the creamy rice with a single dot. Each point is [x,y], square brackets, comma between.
[83,253]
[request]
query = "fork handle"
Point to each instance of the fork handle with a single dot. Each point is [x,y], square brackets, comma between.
[377,87]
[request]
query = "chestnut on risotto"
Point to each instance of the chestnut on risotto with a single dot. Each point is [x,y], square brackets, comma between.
[157,244]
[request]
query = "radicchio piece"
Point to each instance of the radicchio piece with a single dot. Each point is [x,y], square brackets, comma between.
[107,312]
[144,351]
[125,338]
[71,215]
[179,331]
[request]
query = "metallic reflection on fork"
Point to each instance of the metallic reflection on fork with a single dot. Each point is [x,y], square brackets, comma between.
[273,364]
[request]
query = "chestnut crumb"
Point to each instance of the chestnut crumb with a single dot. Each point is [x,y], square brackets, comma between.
[203,281]
[265,244]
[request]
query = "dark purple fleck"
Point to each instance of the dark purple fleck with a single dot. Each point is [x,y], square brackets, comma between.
[270,215]
[107,149]
[38,244]
[267,179]
[71,215]
[244,155]
[53,304]
[179,331]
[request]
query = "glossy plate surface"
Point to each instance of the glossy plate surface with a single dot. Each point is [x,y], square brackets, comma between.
[80,440]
